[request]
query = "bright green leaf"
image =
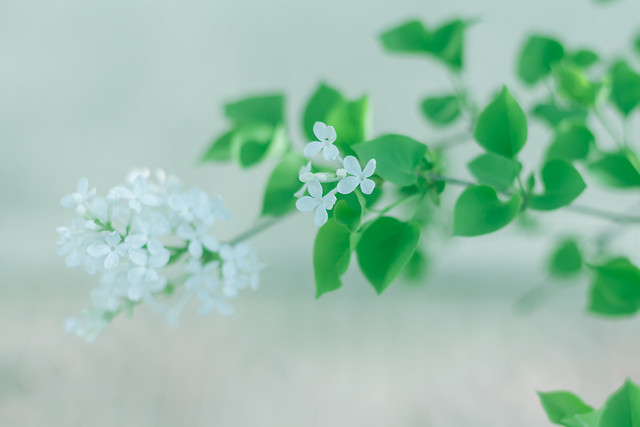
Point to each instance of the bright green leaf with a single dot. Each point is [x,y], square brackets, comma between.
[410,37]
[221,149]
[589,419]
[351,121]
[441,110]
[282,183]
[625,87]
[479,211]
[583,58]
[318,108]
[554,115]
[622,409]
[636,43]
[561,404]
[617,170]
[253,143]
[566,259]
[571,142]
[615,288]
[348,211]
[494,170]
[538,54]
[502,126]
[563,184]
[384,249]
[447,43]
[265,109]
[397,157]
[574,85]
[331,256]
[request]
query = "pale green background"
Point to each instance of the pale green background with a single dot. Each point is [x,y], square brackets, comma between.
[94,88]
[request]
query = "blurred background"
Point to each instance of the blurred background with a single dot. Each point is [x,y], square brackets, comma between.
[94,89]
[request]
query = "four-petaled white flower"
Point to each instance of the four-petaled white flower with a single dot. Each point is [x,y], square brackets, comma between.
[358,176]
[79,198]
[110,246]
[139,194]
[240,268]
[144,276]
[198,238]
[316,201]
[326,137]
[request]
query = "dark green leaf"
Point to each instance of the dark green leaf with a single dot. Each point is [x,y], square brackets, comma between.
[397,157]
[384,249]
[321,103]
[266,109]
[562,183]
[416,268]
[561,404]
[331,256]
[253,143]
[538,54]
[566,259]
[410,37]
[494,170]
[625,87]
[570,143]
[348,211]
[479,211]
[615,289]
[622,409]
[282,183]
[636,43]
[502,126]
[351,121]
[441,110]
[554,115]
[617,170]
[583,58]
[447,43]
[221,149]
[574,85]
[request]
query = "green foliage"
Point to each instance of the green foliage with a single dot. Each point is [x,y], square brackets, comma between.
[352,118]
[331,256]
[622,409]
[348,211]
[441,110]
[479,211]
[398,157]
[583,58]
[322,102]
[615,288]
[282,184]
[494,170]
[538,55]
[417,266]
[266,109]
[502,126]
[573,85]
[562,183]
[590,419]
[625,87]
[554,115]
[560,405]
[385,248]
[617,170]
[446,43]
[221,149]
[571,142]
[566,259]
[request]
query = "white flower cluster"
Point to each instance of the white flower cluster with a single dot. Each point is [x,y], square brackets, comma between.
[348,174]
[132,236]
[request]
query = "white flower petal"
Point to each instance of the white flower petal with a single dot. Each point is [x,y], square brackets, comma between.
[195,248]
[306,204]
[329,201]
[320,130]
[369,168]
[321,216]
[123,192]
[98,249]
[210,243]
[136,240]
[331,134]
[313,148]
[315,189]
[83,186]
[352,166]
[138,256]
[113,238]
[348,184]
[330,152]
[136,291]
[367,186]
[226,252]
[112,260]
[68,201]
[151,200]
[186,232]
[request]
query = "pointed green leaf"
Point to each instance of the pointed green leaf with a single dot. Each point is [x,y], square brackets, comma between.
[538,54]
[574,85]
[622,409]
[441,110]
[583,58]
[625,87]
[617,170]
[264,109]
[348,211]
[494,170]
[416,268]
[331,256]
[318,108]
[397,157]
[570,143]
[554,115]
[562,404]
[410,37]
[282,183]
[615,288]
[502,126]
[254,143]
[221,149]
[384,249]
[479,211]
[351,121]
[566,259]
[562,183]
[447,43]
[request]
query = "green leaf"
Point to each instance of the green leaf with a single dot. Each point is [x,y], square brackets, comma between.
[583,58]
[416,268]
[622,409]
[318,108]
[570,143]
[384,249]
[625,87]
[441,110]
[636,43]
[447,43]
[397,157]
[538,54]
[282,184]
[331,256]
[221,149]
[479,211]
[254,143]
[566,259]
[410,37]
[264,109]
[589,419]
[562,404]
[348,211]
[351,121]
[574,85]
[617,170]
[615,288]
[494,170]
[554,115]
[502,126]
[563,184]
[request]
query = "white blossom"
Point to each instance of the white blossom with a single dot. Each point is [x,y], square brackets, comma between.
[326,137]
[111,247]
[358,177]
[198,238]
[79,199]
[138,194]
[240,268]
[316,201]
[89,326]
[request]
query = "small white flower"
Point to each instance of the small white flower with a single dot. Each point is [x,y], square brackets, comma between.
[197,238]
[341,173]
[138,195]
[358,176]
[144,278]
[326,137]
[79,198]
[145,230]
[240,268]
[202,277]
[89,326]
[317,202]
[111,247]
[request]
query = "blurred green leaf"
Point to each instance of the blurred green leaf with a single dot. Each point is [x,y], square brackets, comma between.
[625,87]
[574,85]
[554,115]
[221,150]
[416,268]
[563,184]
[537,56]
[352,122]
[494,170]
[589,419]
[322,102]
[502,126]
[264,109]
[583,58]
[562,404]
[348,211]
[479,211]
[636,43]
[615,288]
[253,143]
[331,256]
[441,110]
[571,142]
[566,259]
[385,248]
[622,409]
[282,184]
[397,157]
[618,169]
